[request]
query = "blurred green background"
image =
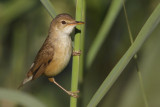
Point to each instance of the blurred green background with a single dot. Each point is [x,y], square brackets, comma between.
[24,26]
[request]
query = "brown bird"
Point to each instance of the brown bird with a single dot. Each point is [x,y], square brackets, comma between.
[55,53]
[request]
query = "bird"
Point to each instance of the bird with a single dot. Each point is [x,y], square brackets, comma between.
[56,51]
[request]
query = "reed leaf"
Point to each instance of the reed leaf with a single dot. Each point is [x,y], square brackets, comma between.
[144,33]
[49,7]
[20,97]
[104,30]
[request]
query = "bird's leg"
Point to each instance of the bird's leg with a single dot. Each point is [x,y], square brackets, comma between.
[73,94]
[76,53]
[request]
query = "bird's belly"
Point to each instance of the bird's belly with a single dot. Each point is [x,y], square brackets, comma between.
[60,60]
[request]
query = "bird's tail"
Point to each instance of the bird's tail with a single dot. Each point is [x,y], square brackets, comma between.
[25,81]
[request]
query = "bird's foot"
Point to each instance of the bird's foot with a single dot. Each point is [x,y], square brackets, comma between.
[73,94]
[76,53]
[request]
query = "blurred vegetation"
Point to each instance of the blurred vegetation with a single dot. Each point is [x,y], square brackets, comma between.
[24,26]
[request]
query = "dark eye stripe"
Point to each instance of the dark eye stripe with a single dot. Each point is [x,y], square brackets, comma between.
[63,22]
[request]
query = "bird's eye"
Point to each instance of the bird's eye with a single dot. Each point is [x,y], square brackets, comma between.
[63,22]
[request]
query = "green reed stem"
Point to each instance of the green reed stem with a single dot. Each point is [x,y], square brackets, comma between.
[78,44]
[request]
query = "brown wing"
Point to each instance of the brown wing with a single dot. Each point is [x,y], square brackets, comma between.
[42,60]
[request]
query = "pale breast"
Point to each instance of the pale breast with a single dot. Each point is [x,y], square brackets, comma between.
[62,54]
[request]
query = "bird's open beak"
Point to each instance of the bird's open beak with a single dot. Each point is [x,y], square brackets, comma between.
[76,23]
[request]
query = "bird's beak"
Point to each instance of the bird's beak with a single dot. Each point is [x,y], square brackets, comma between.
[76,23]
[79,22]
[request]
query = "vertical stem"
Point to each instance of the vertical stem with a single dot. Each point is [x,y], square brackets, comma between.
[82,44]
[76,59]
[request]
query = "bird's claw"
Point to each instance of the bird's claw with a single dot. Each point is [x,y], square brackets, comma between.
[76,53]
[74,94]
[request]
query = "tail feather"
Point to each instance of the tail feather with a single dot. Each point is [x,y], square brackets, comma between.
[26,80]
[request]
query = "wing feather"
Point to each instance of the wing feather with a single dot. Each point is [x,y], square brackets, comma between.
[42,60]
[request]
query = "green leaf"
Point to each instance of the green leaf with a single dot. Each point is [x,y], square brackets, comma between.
[19,97]
[146,30]
[104,30]
[48,5]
